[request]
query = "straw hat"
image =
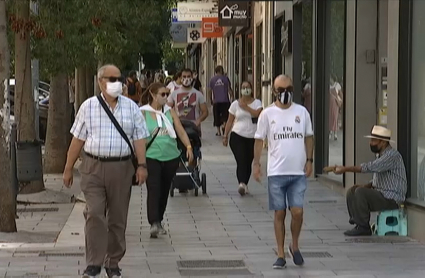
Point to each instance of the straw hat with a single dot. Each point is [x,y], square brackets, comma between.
[381,133]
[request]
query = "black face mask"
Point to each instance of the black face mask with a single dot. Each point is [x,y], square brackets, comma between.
[375,149]
[284,95]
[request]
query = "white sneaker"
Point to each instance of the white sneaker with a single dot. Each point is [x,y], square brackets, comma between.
[242,189]
[161,230]
[154,230]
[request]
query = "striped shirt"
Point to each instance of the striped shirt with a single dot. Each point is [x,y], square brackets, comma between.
[389,174]
[93,126]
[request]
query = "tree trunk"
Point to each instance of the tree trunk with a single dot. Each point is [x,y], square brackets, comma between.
[7,208]
[58,125]
[80,87]
[96,81]
[89,82]
[24,99]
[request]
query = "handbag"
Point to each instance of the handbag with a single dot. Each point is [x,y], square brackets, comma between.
[125,137]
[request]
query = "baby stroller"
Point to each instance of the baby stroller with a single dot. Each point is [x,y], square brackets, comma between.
[188,176]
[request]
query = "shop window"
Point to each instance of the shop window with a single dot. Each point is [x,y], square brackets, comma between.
[336,47]
[307,26]
[258,60]
[247,58]
[418,102]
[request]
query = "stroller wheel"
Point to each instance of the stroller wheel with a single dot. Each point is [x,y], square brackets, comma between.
[196,191]
[204,183]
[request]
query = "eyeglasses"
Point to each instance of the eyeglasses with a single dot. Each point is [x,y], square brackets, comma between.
[113,78]
[164,94]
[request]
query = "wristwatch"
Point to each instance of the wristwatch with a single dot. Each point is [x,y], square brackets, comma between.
[310,159]
[143,165]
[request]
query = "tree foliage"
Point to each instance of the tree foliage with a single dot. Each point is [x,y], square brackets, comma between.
[173,58]
[69,34]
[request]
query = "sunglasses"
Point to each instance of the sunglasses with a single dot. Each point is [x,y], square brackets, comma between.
[284,89]
[113,79]
[164,94]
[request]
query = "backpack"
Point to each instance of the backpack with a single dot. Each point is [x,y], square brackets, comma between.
[132,88]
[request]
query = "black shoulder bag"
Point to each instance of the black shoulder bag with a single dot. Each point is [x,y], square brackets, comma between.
[124,136]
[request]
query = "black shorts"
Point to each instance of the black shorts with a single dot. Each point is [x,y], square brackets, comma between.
[220,112]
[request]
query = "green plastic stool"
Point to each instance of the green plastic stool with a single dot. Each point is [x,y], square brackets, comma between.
[392,222]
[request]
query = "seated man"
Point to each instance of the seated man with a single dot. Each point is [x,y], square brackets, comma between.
[387,189]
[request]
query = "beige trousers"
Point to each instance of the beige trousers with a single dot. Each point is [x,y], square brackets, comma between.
[107,189]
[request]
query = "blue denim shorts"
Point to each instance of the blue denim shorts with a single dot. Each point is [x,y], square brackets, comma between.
[286,190]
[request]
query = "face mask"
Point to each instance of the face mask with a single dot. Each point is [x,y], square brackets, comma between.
[284,95]
[374,148]
[114,89]
[246,91]
[161,100]
[187,82]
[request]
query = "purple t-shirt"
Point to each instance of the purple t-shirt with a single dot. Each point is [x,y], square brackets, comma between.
[219,85]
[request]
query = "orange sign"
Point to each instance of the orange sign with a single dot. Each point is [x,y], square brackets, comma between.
[210,28]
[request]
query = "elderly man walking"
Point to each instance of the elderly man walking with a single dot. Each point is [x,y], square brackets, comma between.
[107,169]
[287,126]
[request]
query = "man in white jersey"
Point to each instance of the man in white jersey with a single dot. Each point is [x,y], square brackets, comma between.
[287,126]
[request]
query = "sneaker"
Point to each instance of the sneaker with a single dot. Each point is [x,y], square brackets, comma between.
[246,189]
[113,272]
[161,230]
[359,231]
[296,256]
[280,263]
[92,271]
[154,230]
[242,189]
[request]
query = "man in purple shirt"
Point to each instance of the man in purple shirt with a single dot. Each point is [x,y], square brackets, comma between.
[221,95]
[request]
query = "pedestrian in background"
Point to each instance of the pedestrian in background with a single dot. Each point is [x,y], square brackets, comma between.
[242,122]
[134,89]
[176,83]
[221,94]
[107,169]
[162,154]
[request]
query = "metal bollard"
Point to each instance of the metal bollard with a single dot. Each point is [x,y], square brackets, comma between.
[14,179]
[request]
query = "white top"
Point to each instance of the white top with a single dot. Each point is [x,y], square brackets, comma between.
[160,117]
[243,125]
[93,126]
[173,86]
[286,130]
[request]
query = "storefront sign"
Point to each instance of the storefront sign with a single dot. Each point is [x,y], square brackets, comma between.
[194,35]
[174,18]
[233,13]
[210,28]
[195,11]
[179,32]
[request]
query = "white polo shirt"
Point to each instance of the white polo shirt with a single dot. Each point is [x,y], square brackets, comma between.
[286,130]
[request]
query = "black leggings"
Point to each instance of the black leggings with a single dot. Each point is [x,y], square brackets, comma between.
[158,183]
[243,150]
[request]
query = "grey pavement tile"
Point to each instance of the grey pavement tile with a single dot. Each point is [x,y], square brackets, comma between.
[223,226]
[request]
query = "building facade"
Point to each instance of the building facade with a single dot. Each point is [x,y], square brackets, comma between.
[354,64]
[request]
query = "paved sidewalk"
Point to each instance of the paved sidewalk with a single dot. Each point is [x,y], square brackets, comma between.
[224,226]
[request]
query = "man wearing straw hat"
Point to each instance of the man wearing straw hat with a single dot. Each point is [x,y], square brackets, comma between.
[386,191]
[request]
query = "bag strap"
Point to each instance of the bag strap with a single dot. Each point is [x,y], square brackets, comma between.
[119,128]
[116,124]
